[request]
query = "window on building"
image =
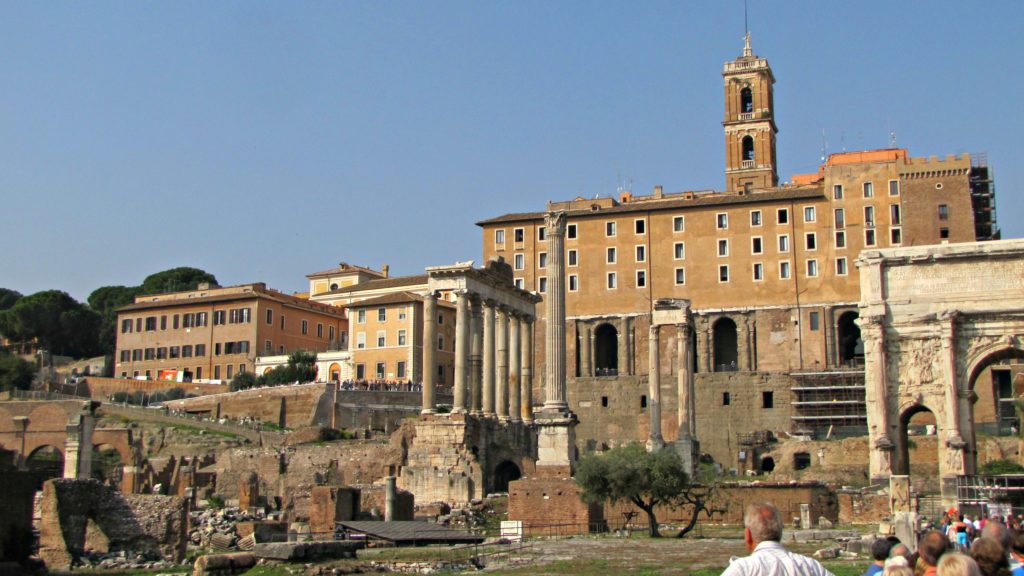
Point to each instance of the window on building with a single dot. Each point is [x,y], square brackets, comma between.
[361,317]
[542,284]
[756,245]
[767,399]
[895,216]
[784,272]
[163,322]
[219,318]
[722,221]
[138,324]
[360,340]
[809,214]
[943,212]
[126,326]
[151,324]
[401,337]
[574,282]
[678,223]
[149,353]
[136,355]
[895,236]
[869,216]
[869,189]
[519,283]
[401,314]
[641,253]
[216,372]
[360,371]
[726,399]
[840,215]
[268,346]
[305,327]
[217,349]
[175,321]
[841,266]
[755,217]
[609,228]
[542,260]
[400,367]
[125,355]
[230,370]
[679,251]
[610,256]
[641,278]
[612,281]
[573,258]
[869,237]
[680,276]
[894,187]
[570,231]
[186,351]
[640,226]
[440,342]
[837,191]
[519,235]
[748,148]
[440,374]
[319,330]
[200,350]
[330,333]
[944,233]
[499,236]
[746,100]
[382,314]
[811,241]
[723,247]
[282,321]
[723,273]
[382,340]
[270,317]
[519,261]
[783,242]
[782,216]
[542,234]
[758,271]
[440,318]
[840,239]
[812,268]
[175,351]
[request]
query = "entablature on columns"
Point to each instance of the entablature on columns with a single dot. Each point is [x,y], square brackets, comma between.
[671,312]
[488,284]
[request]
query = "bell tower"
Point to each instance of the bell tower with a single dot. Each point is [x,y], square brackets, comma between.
[749,123]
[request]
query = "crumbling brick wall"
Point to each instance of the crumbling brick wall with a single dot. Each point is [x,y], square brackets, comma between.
[15,510]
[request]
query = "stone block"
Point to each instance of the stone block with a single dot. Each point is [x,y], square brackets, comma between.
[307,551]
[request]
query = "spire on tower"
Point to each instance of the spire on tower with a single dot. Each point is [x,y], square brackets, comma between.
[747,52]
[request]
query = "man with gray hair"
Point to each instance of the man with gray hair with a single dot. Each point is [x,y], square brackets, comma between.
[762,531]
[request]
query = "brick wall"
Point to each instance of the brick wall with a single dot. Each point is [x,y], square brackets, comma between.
[551,506]
[99,388]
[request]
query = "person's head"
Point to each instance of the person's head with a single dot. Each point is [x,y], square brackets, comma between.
[956,564]
[898,570]
[901,549]
[880,549]
[990,556]
[1017,542]
[761,523]
[932,546]
[997,531]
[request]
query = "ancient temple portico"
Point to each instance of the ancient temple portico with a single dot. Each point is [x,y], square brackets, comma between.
[669,313]
[932,319]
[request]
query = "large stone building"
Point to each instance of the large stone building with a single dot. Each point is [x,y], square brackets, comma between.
[767,271]
[215,332]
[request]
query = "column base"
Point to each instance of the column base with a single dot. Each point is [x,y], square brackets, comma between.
[655,444]
[427,411]
[556,440]
[689,452]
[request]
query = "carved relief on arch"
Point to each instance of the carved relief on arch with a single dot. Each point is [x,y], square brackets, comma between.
[916,365]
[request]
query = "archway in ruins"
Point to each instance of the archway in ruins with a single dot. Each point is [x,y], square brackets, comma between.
[506,472]
[606,350]
[335,372]
[44,463]
[725,351]
[916,453]
[996,387]
[851,347]
[107,465]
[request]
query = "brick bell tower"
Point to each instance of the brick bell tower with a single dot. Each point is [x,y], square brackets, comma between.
[749,123]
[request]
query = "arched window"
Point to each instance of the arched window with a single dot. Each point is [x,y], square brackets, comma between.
[748,147]
[606,350]
[725,353]
[746,100]
[851,347]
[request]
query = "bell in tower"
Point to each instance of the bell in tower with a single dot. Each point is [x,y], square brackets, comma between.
[749,123]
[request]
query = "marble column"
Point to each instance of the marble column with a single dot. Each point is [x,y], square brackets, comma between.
[628,354]
[429,345]
[488,360]
[742,345]
[684,383]
[877,397]
[501,377]
[586,365]
[953,396]
[476,357]
[526,350]
[514,368]
[655,441]
[462,322]
[751,358]
[555,398]
[703,349]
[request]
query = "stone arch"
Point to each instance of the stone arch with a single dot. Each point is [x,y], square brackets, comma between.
[849,344]
[108,463]
[48,418]
[746,100]
[987,356]
[45,461]
[748,148]
[902,464]
[606,350]
[725,345]
[505,472]
[334,372]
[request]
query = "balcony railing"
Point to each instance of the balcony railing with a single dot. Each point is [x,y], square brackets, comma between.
[747,164]
[746,116]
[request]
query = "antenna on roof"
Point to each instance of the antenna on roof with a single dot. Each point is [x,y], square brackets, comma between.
[824,147]
[892,139]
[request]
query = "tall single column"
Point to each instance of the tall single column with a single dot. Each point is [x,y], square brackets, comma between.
[429,345]
[703,350]
[751,343]
[742,345]
[877,397]
[586,367]
[955,439]
[555,393]
[526,350]
[655,441]
[684,383]
[462,322]
[514,368]
[488,363]
[501,323]
[627,353]
[476,358]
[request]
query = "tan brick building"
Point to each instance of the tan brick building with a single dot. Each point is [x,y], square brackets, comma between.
[767,270]
[215,332]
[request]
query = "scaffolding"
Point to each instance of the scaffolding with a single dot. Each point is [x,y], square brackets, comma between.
[983,198]
[829,403]
[988,495]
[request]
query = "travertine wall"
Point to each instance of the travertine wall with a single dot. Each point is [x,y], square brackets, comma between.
[288,406]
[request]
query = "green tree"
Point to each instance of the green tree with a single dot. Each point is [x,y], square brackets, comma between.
[301,367]
[8,298]
[1001,467]
[632,474]
[105,301]
[175,280]
[243,381]
[54,319]
[15,373]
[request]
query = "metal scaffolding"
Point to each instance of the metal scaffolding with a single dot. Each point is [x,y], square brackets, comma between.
[829,401]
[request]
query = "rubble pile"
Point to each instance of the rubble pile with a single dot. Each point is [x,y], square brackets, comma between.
[123,560]
[473,516]
[216,529]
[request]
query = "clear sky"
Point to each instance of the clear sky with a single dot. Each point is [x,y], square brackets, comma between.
[262,141]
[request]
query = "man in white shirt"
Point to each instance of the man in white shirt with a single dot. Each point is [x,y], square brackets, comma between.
[762,532]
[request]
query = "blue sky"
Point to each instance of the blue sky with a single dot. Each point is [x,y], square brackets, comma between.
[262,141]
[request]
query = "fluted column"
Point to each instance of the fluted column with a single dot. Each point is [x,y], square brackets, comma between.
[501,377]
[462,322]
[488,360]
[655,441]
[586,368]
[514,368]
[429,345]
[555,393]
[684,382]
[526,350]
[476,358]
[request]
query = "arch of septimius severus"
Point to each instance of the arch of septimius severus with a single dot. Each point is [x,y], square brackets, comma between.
[932,319]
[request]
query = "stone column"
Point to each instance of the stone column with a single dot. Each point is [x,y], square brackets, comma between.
[655,441]
[684,383]
[488,360]
[526,350]
[514,368]
[476,357]
[501,378]
[703,347]
[586,366]
[555,399]
[429,345]
[742,345]
[462,322]
[876,374]
[954,440]
[390,496]
[751,358]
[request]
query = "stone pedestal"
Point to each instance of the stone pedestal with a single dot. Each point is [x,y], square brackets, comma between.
[905,524]
[556,442]
[689,452]
[899,494]
[805,517]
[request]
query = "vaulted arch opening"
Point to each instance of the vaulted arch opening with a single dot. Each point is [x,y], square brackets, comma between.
[746,100]
[335,372]
[748,148]
[997,379]
[606,350]
[851,347]
[45,462]
[725,348]
[107,466]
[506,472]
[917,449]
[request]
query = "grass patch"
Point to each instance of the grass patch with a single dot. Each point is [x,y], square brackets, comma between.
[197,430]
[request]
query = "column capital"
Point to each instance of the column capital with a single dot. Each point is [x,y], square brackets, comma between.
[555,223]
